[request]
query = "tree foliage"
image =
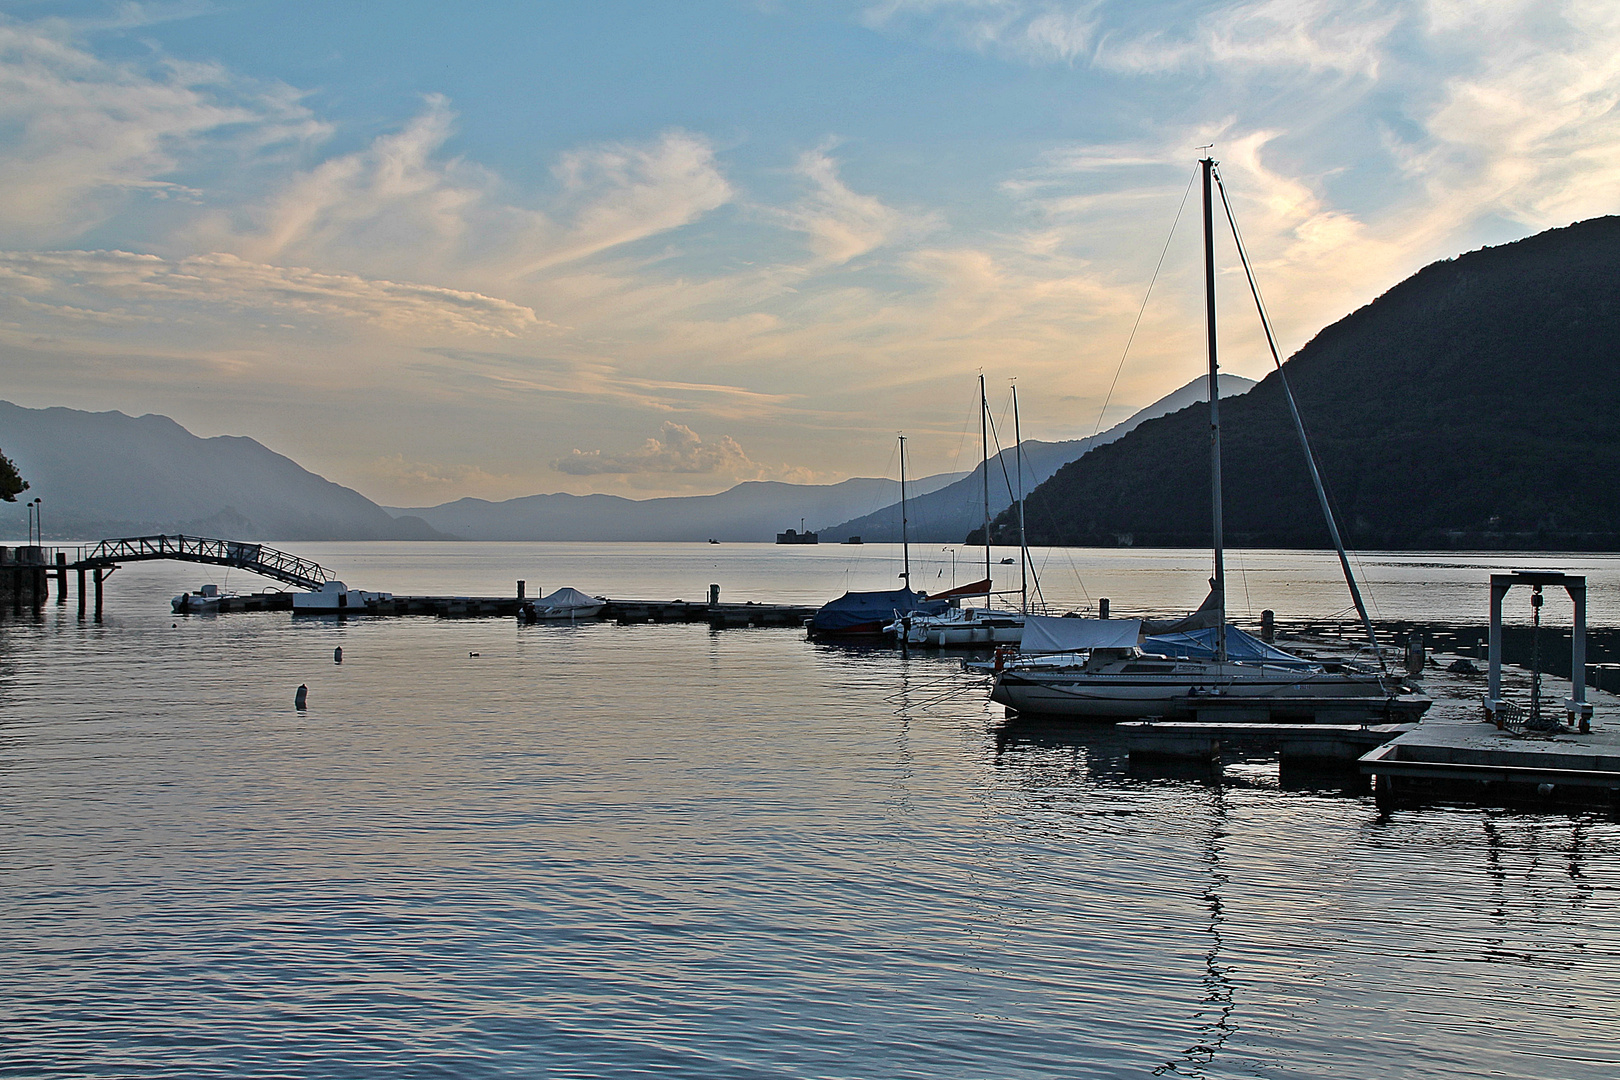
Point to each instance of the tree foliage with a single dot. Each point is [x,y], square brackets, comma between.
[11,484]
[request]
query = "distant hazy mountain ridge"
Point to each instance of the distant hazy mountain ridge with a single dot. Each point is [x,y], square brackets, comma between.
[1474,405]
[752,511]
[949,514]
[107,474]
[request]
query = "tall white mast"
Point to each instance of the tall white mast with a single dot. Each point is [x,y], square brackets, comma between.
[1023,539]
[984,467]
[1218,584]
[905,540]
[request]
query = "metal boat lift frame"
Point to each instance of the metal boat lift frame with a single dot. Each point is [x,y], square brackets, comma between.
[1576,707]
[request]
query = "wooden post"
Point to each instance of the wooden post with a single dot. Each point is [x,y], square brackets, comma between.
[1102,607]
[61,577]
[521,584]
[98,577]
[81,592]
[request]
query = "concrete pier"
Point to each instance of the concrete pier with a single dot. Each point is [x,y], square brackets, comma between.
[1469,759]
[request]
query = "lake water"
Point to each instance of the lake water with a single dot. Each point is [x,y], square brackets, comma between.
[602,851]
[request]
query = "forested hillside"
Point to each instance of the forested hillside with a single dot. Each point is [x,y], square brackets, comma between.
[1474,405]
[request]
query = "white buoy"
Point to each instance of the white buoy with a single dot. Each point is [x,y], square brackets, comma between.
[301,697]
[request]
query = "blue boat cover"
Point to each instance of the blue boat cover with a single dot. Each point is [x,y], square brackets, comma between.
[858,608]
[1200,645]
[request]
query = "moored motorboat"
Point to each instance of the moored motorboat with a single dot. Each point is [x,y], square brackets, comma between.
[335,598]
[959,628]
[204,599]
[564,605]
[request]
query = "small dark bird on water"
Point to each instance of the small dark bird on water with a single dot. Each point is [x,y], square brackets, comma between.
[472,654]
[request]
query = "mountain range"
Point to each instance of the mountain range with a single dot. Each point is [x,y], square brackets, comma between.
[105,474]
[751,511]
[1473,405]
[946,515]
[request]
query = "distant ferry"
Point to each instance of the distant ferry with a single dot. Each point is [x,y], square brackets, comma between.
[793,536]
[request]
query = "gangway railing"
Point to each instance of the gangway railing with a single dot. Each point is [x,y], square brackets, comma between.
[256,558]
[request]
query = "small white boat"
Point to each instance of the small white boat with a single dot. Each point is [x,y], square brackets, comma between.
[959,628]
[206,598]
[564,605]
[335,598]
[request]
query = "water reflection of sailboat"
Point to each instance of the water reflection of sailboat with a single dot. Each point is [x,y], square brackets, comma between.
[1214,1017]
[1100,668]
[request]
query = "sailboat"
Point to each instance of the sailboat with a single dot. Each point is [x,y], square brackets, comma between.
[971,627]
[864,615]
[1200,665]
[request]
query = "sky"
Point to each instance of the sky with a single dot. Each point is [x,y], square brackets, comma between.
[659,247]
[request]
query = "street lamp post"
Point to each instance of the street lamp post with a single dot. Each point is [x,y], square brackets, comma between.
[39,522]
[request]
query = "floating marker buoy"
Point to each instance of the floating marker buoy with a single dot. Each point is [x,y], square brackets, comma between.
[337,655]
[301,697]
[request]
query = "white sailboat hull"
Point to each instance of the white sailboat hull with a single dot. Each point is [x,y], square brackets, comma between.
[966,629]
[1114,693]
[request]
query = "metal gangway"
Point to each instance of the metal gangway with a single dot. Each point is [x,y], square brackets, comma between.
[256,558]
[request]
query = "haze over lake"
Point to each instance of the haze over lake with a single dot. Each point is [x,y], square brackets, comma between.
[489,849]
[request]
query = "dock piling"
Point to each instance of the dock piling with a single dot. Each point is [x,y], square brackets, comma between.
[61,577]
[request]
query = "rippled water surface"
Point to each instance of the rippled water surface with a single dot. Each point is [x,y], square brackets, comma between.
[557,851]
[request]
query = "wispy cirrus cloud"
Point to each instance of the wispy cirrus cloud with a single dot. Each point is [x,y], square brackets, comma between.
[86,134]
[401,202]
[843,224]
[122,286]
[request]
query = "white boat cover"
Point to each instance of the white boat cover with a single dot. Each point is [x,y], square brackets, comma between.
[564,599]
[1043,633]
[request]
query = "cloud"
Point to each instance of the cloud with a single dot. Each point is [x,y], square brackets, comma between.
[121,286]
[675,449]
[843,225]
[619,193]
[398,473]
[1526,123]
[85,135]
[401,202]
[1320,35]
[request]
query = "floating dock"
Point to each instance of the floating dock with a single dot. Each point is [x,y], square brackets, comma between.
[1309,746]
[1457,757]
[624,612]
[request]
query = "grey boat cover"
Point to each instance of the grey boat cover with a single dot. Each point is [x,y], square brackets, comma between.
[1044,634]
[1206,617]
[567,599]
[1200,645]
